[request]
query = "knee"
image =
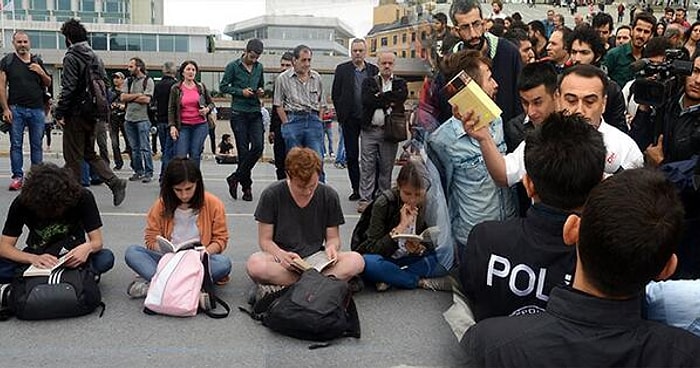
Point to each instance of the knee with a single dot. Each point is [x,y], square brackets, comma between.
[256,266]
[133,253]
[355,261]
[103,260]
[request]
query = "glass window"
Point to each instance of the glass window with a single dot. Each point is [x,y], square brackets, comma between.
[395,39]
[403,53]
[87,5]
[39,15]
[43,39]
[384,41]
[373,45]
[38,4]
[63,5]
[149,42]
[133,42]
[182,43]
[117,42]
[98,41]
[404,37]
[166,43]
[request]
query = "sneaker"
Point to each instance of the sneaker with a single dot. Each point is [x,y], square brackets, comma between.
[382,286]
[356,285]
[224,280]
[138,288]
[147,179]
[16,183]
[118,191]
[262,290]
[436,283]
[362,206]
[136,177]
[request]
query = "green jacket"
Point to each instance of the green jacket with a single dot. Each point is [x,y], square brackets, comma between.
[175,105]
[618,61]
[236,79]
[384,217]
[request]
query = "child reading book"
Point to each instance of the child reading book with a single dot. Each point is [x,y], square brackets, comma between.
[183,212]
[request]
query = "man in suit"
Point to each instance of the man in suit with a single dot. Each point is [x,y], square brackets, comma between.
[382,96]
[346,95]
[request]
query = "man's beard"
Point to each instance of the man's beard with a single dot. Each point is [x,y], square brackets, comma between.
[468,45]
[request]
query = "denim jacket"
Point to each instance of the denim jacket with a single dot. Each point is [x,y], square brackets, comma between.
[472,196]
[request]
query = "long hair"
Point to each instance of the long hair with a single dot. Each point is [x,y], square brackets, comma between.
[49,191]
[178,171]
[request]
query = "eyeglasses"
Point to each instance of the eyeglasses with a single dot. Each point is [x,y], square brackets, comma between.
[475,25]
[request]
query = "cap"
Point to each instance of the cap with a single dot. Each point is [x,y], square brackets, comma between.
[118,74]
[255,45]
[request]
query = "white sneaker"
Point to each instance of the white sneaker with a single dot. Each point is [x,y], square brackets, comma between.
[138,288]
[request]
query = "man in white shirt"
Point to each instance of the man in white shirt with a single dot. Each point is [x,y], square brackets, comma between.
[581,90]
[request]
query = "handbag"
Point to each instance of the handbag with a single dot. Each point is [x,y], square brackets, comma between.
[395,127]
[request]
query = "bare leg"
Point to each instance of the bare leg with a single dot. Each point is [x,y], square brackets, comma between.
[263,269]
[349,264]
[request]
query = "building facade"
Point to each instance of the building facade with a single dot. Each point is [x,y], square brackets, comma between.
[89,11]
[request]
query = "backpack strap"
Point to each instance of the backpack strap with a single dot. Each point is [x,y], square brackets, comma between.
[208,286]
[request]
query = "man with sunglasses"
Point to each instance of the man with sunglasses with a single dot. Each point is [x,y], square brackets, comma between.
[468,22]
[243,79]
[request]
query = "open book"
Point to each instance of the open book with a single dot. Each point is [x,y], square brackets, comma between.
[467,94]
[427,236]
[36,271]
[318,260]
[166,246]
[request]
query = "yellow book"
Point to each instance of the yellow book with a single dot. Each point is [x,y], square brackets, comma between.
[467,94]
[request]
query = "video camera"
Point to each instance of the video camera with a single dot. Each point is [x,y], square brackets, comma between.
[655,83]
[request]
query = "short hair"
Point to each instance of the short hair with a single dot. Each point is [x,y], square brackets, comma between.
[656,47]
[674,30]
[463,7]
[629,228]
[565,158]
[668,9]
[299,49]
[515,35]
[302,163]
[184,64]
[586,71]
[624,26]
[178,171]
[645,17]
[683,10]
[49,190]
[467,60]
[537,74]
[74,31]
[601,19]
[413,173]
[19,32]
[497,2]
[254,45]
[169,68]
[498,28]
[287,56]
[440,17]
[517,17]
[140,64]
[538,26]
[589,36]
[358,40]
[562,21]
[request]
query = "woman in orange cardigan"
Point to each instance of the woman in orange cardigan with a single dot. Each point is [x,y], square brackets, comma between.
[184,211]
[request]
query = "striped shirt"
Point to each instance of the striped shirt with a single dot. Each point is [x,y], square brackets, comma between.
[294,95]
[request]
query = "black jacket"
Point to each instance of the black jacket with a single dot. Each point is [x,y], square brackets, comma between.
[529,251]
[343,91]
[161,95]
[73,79]
[616,108]
[579,330]
[373,98]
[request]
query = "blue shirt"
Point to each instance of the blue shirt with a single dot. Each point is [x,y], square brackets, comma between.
[472,196]
[675,303]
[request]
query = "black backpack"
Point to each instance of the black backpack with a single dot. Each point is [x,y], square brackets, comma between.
[67,292]
[96,103]
[359,234]
[316,308]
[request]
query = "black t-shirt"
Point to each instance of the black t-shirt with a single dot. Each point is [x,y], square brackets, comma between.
[299,230]
[82,218]
[25,87]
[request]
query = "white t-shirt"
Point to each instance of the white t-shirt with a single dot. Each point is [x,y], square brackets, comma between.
[622,153]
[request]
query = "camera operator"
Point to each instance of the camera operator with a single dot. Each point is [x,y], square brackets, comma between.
[670,136]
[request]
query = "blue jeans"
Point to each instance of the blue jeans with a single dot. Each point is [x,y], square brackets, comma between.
[167,146]
[327,133]
[304,130]
[34,119]
[248,130]
[101,262]
[190,143]
[145,262]
[403,272]
[139,140]
[340,152]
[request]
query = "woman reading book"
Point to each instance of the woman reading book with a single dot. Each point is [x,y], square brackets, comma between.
[58,212]
[394,255]
[183,211]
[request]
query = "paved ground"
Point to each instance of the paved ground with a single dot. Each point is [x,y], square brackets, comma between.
[398,327]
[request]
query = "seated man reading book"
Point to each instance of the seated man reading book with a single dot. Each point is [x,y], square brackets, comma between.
[625,237]
[58,212]
[394,255]
[298,217]
[510,267]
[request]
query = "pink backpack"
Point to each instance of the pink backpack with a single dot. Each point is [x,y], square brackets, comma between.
[177,285]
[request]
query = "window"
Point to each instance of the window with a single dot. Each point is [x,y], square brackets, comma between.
[403,53]
[98,41]
[133,42]
[149,42]
[182,43]
[63,5]
[404,37]
[43,39]
[395,39]
[373,45]
[166,43]
[117,42]
[113,6]
[413,54]
[384,42]
[413,36]
[38,4]
[87,5]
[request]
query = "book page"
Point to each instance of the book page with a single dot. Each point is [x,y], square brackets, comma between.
[415,237]
[319,260]
[36,271]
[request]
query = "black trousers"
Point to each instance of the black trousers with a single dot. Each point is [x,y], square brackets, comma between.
[351,137]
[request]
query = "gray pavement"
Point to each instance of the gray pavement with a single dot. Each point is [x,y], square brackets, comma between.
[398,327]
